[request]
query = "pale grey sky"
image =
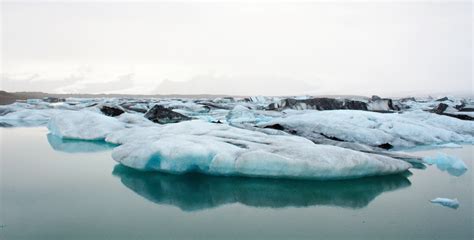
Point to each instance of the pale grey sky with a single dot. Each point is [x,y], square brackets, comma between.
[238,48]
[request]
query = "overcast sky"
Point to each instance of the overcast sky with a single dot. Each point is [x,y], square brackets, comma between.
[238,48]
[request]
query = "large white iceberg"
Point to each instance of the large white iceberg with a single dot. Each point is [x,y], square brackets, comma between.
[375,129]
[219,149]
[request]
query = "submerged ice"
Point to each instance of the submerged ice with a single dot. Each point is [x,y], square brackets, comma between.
[451,164]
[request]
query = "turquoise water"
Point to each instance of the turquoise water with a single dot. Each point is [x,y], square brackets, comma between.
[57,189]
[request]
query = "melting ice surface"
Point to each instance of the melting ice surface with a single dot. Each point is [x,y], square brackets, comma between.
[444,162]
[219,149]
[83,125]
[371,128]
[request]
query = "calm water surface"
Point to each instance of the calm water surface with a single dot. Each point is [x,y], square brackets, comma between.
[56,189]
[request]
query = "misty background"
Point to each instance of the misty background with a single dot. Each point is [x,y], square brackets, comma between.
[397,48]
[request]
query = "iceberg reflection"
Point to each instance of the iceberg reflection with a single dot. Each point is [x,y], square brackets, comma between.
[193,192]
[77,146]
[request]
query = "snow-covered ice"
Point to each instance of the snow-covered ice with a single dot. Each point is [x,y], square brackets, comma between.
[220,149]
[451,203]
[135,119]
[372,128]
[241,115]
[442,122]
[243,136]
[29,117]
[83,125]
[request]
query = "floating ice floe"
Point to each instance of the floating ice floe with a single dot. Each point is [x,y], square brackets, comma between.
[451,164]
[83,125]
[29,117]
[451,203]
[219,149]
[374,129]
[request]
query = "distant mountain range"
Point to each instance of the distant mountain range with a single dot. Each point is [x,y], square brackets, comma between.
[11,97]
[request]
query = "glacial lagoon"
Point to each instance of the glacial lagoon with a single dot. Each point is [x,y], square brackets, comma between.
[53,188]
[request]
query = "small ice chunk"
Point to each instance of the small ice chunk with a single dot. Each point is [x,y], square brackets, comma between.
[451,203]
[444,162]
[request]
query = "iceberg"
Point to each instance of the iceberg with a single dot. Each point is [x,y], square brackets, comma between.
[83,125]
[442,122]
[374,129]
[219,149]
[444,162]
[451,203]
[134,134]
[380,105]
[29,117]
[242,115]
[245,137]
[189,106]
